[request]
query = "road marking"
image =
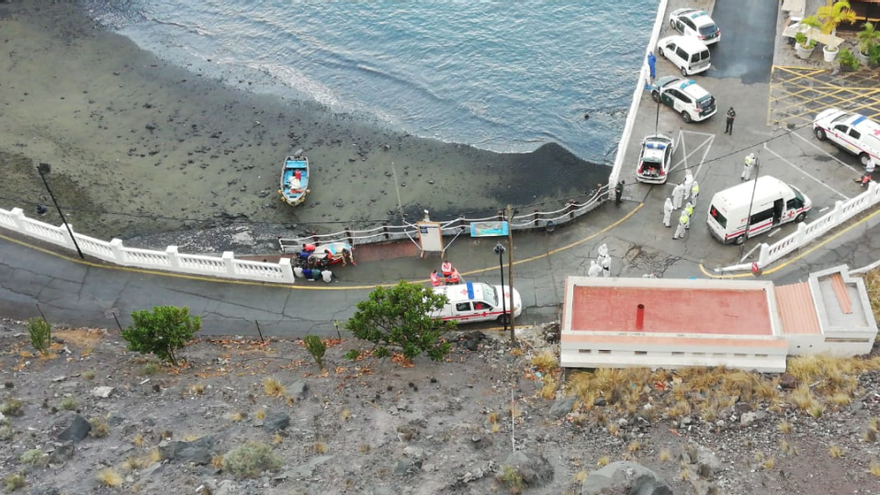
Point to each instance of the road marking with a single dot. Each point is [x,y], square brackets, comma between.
[145,271]
[796,258]
[823,209]
[707,143]
[777,155]
[771,234]
[829,155]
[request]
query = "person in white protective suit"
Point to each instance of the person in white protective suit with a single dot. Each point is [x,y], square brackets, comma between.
[606,266]
[667,212]
[683,219]
[595,269]
[688,183]
[677,196]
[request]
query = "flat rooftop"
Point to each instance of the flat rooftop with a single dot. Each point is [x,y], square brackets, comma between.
[671,310]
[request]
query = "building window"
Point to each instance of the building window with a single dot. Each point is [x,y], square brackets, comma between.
[740,355]
[585,351]
[640,353]
[677,353]
[843,340]
[699,353]
[604,351]
[760,355]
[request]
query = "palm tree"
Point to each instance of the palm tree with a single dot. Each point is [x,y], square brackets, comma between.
[832,16]
[810,22]
[867,37]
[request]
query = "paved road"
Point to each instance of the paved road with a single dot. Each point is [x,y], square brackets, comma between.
[746,47]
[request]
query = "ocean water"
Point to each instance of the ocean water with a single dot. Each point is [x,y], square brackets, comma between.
[500,75]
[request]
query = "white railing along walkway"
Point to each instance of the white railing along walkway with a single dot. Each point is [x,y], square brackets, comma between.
[169,260]
[455,227]
[808,232]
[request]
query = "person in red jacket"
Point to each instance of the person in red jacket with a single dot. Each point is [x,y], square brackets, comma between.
[453,277]
[435,279]
[446,268]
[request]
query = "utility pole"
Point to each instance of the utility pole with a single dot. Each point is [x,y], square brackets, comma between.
[510,214]
[43,169]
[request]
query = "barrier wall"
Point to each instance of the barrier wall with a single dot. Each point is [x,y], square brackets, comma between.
[808,232]
[226,266]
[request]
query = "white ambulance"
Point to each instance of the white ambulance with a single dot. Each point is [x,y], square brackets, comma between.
[775,202]
[475,301]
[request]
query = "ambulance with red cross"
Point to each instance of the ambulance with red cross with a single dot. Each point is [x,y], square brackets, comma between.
[853,132]
[476,301]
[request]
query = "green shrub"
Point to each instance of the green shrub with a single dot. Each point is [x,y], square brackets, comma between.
[68,404]
[161,331]
[510,477]
[12,407]
[13,482]
[150,369]
[32,457]
[6,433]
[847,59]
[88,375]
[251,459]
[316,348]
[41,334]
[100,429]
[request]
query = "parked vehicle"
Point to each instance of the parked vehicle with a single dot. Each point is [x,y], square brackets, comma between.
[770,201]
[685,97]
[294,179]
[475,301]
[655,157]
[689,54]
[852,132]
[696,23]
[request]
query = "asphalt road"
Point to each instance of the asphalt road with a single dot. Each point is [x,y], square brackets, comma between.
[747,36]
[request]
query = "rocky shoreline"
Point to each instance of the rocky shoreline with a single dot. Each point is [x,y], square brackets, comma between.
[141,147]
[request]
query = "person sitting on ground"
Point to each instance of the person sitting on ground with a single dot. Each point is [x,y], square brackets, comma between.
[435,279]
[453,277]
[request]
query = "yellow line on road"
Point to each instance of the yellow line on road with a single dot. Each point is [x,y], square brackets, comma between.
[796,258]
[298,287]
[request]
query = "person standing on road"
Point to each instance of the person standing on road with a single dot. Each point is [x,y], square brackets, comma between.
[689,210]
[731,116]
[618,192]
[606,266]
[678,196]
[595,269]
[695,191]
[751,161]
[683,219]
[688,182]
[667,212]
[603,252]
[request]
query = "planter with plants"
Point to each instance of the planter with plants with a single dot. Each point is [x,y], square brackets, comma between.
[804,43]
[831,16]
[868,38]
[848,61]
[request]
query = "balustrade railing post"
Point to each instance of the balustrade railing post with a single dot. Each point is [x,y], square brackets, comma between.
[20,222]
[385,230]
[118,253]
[229,261]
[764,255]
[173,256]
[571,209]
[286,270]
[800,236]
[535,218]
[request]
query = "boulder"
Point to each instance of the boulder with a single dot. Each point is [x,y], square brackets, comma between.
[62,453]
[306,470]
[78,429]
[297,390]
[562,407]
[198,451]
[227,487]
[102,392]
[748,418]
[787,381]
[275,422]
[625,478]
[150,470]
[533,468]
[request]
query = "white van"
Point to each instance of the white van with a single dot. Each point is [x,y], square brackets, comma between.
[775,202]
[475,301]
[689,54]
[852,132]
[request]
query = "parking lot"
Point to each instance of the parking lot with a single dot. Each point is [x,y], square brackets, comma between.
[774,120]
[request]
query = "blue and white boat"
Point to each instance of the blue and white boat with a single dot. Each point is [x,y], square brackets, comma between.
[295,179]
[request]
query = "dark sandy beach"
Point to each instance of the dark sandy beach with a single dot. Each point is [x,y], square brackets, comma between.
[140,147]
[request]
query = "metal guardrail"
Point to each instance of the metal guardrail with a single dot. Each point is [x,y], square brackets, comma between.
[386,233]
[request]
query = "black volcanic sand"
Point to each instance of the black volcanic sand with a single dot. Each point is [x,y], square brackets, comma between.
[139,146]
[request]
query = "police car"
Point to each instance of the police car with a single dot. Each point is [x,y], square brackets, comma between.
[685,97]
[475,301]
[853,132]
[654,159]
[696,23]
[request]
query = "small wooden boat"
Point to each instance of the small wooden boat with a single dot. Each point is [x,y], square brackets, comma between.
[295,179]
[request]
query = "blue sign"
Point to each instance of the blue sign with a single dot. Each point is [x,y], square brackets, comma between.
[489,229]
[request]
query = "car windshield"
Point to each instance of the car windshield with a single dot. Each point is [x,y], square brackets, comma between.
[797,194]
[708,29]
[843,116]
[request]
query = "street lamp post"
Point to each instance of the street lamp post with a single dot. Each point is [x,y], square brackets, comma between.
[43,169]
[499,250]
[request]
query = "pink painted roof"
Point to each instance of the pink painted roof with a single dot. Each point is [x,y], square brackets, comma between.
[684,342]
[796,309]
[667,310]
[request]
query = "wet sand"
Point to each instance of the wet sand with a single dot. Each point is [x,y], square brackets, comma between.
[141,147]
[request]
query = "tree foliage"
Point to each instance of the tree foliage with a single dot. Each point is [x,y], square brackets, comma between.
[161,331]
[41,334]
[400,317]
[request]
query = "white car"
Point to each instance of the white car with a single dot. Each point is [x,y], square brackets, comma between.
[654,159]
[853,132]
[474,301]
[690,55]
[686,97]
[696,23]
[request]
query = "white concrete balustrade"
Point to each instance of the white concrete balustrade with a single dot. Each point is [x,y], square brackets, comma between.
[169,260]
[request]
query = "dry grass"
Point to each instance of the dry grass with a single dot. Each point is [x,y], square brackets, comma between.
[132,463]
[803,397]
[273,387]
[603,461]
[197,388]
[680,409]
[277,439]
[835,451]
[872,284]
[237,416]
[320,448]
[787,448]
[546,361]
[364,448]
[874,469]
[492,417]
[840,399]
[138,440]
[548,390]
[768,464]
[217,461]
[665,455]
[345,415]
[191,437]
[634,447]
[109,477]
[260,414]
[684,474]
[580,476]
[871,430]
[100,429]
[155,455]
[495,428]
[784,427]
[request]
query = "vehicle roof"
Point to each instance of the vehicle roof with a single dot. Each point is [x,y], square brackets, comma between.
[690,42]
[700,17]
[655,148]
[689,86]
[469,291]
[741,194]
